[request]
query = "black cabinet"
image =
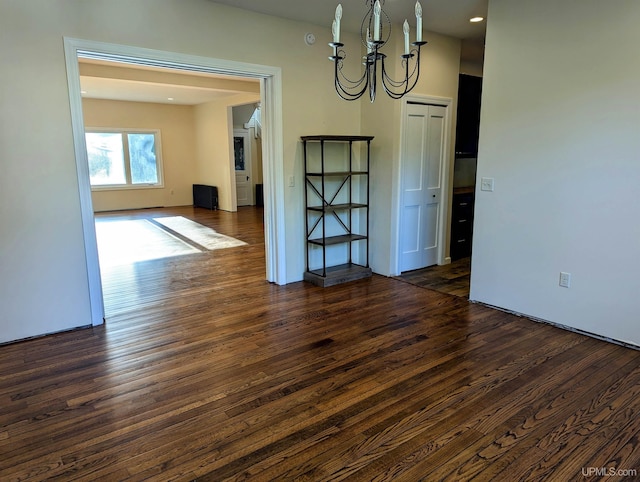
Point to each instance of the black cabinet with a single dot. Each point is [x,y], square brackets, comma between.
[461,223]
[468,117]
[336,208]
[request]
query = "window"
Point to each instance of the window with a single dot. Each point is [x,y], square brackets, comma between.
[124,159]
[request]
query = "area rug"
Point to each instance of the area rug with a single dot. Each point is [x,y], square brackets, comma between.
[128,241]
[199,234]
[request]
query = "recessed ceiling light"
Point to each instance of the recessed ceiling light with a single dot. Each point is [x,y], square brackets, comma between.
[83,91]
[476,19]
[169,98]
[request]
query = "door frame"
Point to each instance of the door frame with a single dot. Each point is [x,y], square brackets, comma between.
[272,146]
[445,201]
[244,133]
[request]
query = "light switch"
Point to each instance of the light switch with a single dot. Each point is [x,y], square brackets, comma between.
[486,184]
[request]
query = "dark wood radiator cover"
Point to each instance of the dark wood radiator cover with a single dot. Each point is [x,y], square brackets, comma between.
[205,196]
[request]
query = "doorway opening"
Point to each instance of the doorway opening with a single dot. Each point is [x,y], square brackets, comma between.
[270,99]
[452,275]
[423,184]
[243,166]
[423,207]
[247,154]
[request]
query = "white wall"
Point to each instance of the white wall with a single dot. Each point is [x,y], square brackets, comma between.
[559,133]
[43,271]
[382,119]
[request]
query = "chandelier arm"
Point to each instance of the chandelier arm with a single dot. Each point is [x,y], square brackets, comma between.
[346,92]
[389,84]
[347,95]
[338,58]
[351,83]
[407,78]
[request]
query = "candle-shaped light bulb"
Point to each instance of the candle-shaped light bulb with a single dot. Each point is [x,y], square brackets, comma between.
[377,9]
[418,22]
[369,45]
[336,33]
[405,29]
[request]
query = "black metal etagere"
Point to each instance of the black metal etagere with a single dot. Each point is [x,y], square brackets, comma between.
[330,204]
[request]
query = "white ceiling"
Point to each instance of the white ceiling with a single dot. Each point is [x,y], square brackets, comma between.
[134,91]
[448,17]
[180,88]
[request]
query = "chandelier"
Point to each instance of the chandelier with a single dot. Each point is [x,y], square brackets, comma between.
[375,31]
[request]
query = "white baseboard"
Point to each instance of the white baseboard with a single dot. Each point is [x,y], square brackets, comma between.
[560,326]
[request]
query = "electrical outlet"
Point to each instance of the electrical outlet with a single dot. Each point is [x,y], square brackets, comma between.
[292,181]
[565,279]
[486,184]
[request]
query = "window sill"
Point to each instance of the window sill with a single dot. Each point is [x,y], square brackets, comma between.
[126,187]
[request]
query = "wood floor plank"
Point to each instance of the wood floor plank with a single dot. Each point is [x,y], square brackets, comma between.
[206,371]
[431,418]
[453,278]
[502,445]
[606,414]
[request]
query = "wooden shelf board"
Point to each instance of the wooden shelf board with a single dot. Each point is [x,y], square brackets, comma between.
[336,207]
[336,138]
[338,274]
[338,173]
[331,240]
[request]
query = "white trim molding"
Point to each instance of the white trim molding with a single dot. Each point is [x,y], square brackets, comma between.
[271,96]
[273,178]
[446,102]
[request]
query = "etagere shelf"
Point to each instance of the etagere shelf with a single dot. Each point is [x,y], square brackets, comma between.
[337,208]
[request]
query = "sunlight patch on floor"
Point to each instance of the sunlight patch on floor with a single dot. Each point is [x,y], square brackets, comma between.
[202,235]
[126,241]
[129,241]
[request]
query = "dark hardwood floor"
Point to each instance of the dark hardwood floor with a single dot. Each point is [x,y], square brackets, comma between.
[452,278]
[206,371]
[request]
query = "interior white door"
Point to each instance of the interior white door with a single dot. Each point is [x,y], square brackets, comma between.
[242,161]
[421,186]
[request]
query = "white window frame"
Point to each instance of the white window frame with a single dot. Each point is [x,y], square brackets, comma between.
[127,160]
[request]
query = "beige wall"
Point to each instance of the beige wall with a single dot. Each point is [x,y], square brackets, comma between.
[214,146]
[195,149]
[43,285]
[177,131]
[213,150]
[471,68]
[559,134]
